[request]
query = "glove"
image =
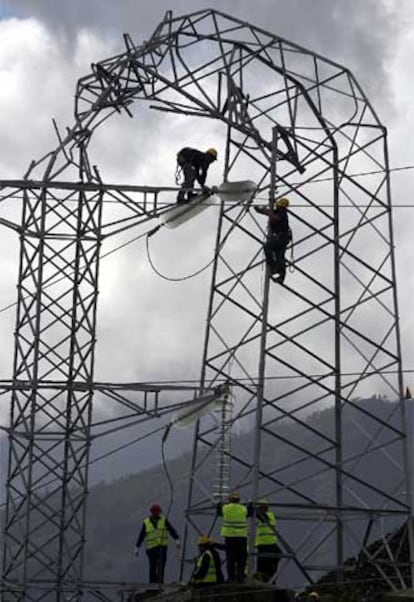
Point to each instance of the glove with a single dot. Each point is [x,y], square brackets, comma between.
[136,551]
[206,190]
[178,543]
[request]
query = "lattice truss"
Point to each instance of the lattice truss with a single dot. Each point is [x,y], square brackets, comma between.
[299,125]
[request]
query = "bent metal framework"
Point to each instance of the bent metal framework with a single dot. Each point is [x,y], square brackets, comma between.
[300,126]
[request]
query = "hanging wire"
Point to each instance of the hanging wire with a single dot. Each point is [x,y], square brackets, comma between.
[103,256]
[245,208]
[166,471]
[315,181]
[182,278]
[111,452]
[6,385]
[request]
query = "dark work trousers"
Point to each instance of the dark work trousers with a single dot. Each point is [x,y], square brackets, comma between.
[157,558]
[190,176]
[268,558]
[236,557]
[274,250]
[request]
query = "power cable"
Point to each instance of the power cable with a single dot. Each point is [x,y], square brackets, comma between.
[103,256]
[299,205]
[197,272]
[152,231]
[166,471]
[119,448]
[286,377]
[182,278]
[316,180]
[190,382]
[148,234]
[341,206]
[99,458]
[369,173]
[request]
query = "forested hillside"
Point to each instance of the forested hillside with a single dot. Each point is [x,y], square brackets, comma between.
[116,507]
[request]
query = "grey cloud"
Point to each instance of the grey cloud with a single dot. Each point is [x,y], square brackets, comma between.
[360,35]
[352,33]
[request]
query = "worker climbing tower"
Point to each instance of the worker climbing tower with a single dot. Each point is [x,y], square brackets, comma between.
[302,360]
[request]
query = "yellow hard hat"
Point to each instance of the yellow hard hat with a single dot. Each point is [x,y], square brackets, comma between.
[234,496]
[263,502]
[212,152]
[313,596]
[282,203]
[203,540]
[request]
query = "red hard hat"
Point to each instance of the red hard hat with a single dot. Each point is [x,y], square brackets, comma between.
[155,509]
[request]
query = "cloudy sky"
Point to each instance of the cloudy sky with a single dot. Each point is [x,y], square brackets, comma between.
[46,45]
[145,330]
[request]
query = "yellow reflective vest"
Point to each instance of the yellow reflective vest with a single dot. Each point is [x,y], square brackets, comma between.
[211,576]
[265,532]
[156,535]
[234,520]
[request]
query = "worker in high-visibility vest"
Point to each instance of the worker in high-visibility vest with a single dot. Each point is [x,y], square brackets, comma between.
[208,564]
[268,552]
[234,531]
[155,532]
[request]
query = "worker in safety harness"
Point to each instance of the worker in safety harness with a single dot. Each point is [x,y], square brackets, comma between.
[234,531]
[193,164]
[278,238]
[155,530]
[268,552]
[208,564]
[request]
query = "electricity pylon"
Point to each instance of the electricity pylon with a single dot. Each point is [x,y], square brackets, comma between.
[300,126]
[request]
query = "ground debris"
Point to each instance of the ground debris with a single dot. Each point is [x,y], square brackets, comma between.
[226,592]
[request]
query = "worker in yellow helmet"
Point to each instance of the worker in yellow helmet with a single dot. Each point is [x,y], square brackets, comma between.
[193,164]
[234,531]
[278,237]
[308,596]
[268,552]
[208,564]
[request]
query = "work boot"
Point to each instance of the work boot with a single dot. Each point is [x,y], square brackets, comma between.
[181,197]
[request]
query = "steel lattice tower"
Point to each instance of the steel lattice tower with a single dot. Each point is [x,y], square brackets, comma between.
[300,126]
